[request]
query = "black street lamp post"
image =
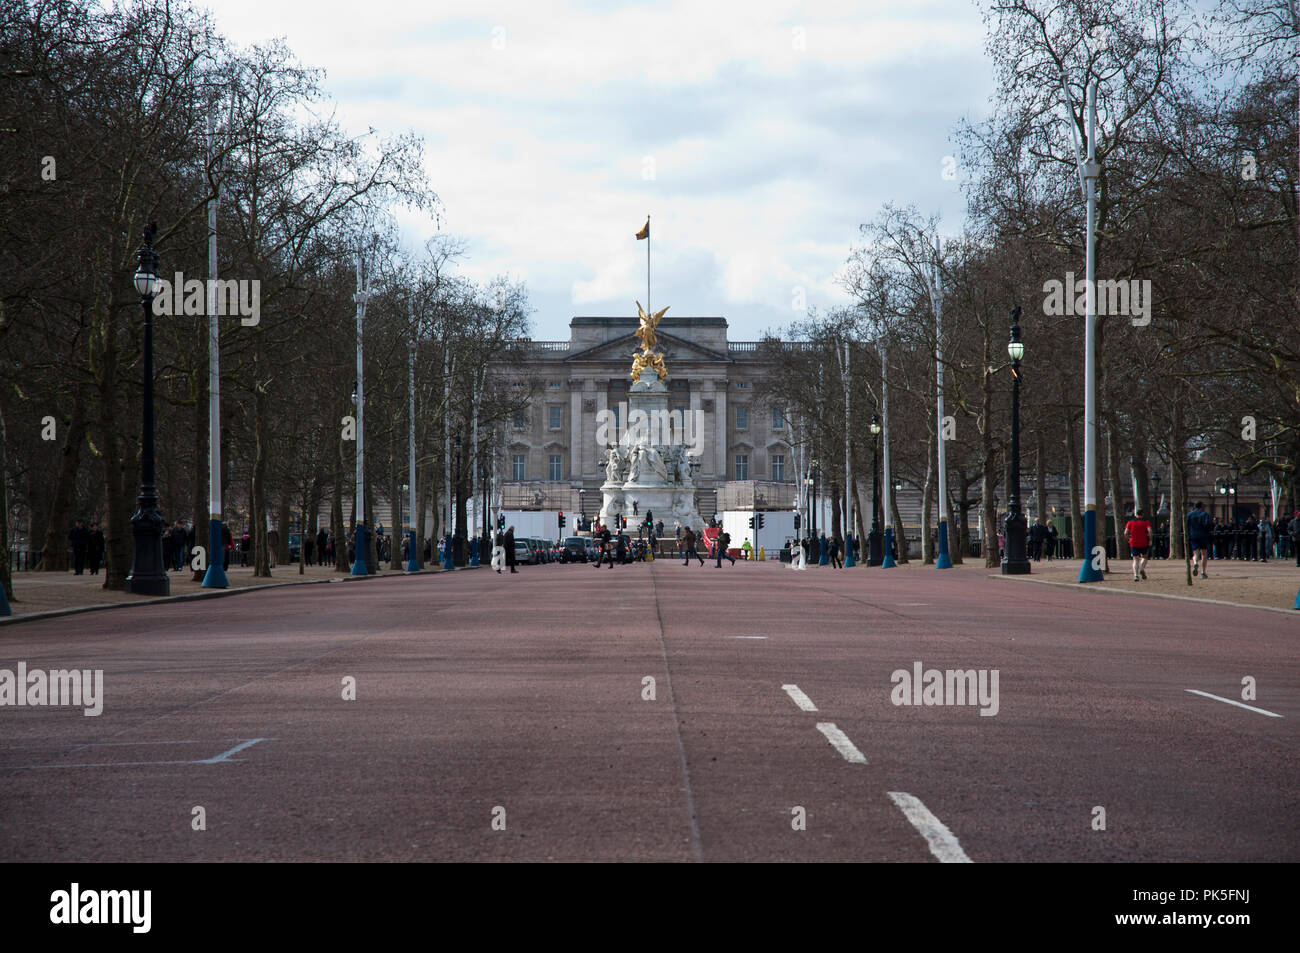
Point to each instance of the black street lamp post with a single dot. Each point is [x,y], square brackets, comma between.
[875,551]
[1158,551]
[148,577]
[1015,562]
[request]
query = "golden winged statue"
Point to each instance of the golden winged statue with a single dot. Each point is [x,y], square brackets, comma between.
[645,333]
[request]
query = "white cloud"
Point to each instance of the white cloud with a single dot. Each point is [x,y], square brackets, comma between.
[766,156]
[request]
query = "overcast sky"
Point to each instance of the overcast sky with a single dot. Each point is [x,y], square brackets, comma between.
[757,135]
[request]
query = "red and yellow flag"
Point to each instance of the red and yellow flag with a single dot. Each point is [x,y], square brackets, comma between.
[645,231]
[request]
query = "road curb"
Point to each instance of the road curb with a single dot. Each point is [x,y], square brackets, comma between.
[195,596]
[1077,587]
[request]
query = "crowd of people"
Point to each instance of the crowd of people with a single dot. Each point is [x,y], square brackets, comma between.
[1209,537]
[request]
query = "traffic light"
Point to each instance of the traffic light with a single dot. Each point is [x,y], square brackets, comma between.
[760,520]
[561,519]
[796,520]
[751,522]
[501,521]
[623,524]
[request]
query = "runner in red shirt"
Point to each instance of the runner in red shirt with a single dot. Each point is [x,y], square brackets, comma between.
[1138,531]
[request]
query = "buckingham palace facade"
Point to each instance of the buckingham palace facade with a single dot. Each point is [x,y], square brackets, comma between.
[551,454]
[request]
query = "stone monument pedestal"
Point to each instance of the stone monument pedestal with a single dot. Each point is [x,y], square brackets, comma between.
[649,469]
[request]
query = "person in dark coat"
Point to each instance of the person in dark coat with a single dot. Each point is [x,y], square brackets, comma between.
[227,543]
[178,546]
[79,540]
[95,548]
[721,547]
[688,548]
[322,543]
[510,548]
[606,552]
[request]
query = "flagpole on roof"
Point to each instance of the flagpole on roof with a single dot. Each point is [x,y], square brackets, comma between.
[648,309]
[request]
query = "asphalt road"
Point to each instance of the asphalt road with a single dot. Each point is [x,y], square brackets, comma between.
[510,718]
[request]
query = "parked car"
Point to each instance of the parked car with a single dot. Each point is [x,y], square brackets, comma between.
[524,553]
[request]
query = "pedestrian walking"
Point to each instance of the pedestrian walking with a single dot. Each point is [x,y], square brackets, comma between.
[688,547]
[95,548]
[724,543]
[1200,529]
[509,544]
[1138,533]
[79,540]
[836,561]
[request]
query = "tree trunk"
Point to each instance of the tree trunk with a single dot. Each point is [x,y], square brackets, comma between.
[1040,475]
[6,571]
[336,514]
[283,518]
[121,459]
[54,553]
[399,526]
[199,483]
[900,531]
[1116,493]
[372,541]
[258,515]
[837,524]
[990,533]
[927,501]
[954,551]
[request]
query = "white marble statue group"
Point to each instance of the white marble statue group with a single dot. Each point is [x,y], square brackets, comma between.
[644,465]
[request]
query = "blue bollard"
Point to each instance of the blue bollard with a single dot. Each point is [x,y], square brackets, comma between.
[215,576]
[411,564]
[447,562]
[359,567]
[849,562]
[473,551]
[943,560]
[824,559]
[888,561]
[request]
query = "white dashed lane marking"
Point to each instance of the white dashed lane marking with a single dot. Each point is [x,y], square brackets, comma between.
[800,699]
[943,843]
[841,743]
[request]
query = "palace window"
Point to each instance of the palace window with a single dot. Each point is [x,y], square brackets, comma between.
[742,466]
[778,418]
[556,417]
[556,467]
[778,467]
[742,418]
[519,468]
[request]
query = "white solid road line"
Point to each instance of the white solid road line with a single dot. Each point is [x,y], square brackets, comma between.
[800,699]
[943,844]
[841,742]
[1271,714]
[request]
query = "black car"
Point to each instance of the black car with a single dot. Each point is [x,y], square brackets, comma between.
[573,550]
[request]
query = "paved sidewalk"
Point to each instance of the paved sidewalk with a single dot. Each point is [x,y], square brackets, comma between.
[1271,584]
[46,592]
